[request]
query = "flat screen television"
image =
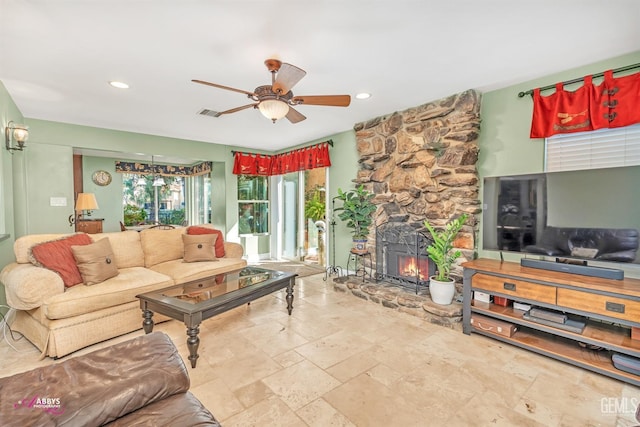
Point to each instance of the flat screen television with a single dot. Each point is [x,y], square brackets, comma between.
[572,216]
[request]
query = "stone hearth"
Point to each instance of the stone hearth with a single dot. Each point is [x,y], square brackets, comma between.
[402,299]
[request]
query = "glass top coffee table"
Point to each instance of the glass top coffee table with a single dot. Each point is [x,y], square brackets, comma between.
[198,300]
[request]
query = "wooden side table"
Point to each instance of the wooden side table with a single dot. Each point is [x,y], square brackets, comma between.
[90,226]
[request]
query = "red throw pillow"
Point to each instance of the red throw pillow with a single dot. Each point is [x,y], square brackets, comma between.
[56,255]
[205,230]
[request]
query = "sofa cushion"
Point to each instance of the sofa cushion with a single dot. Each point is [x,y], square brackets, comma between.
[207,229]
[27,286]
[98,387]
[120,289]
[127,247]
[96,261]
[199,247]
[56,255]
[182,272]
[181,409]
[161,245]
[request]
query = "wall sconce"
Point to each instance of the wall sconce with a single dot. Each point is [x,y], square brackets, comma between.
[85,202]
[15,133]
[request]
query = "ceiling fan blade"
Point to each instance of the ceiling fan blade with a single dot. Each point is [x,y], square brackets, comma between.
[294,116]
[329,100]
[287,77]
[202,82]
[233,110]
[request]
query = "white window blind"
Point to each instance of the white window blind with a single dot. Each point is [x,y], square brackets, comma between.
[603,148]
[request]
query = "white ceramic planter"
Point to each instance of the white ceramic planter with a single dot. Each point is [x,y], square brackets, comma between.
[441,292]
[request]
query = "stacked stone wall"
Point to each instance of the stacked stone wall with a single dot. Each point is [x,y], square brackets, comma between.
[421,165]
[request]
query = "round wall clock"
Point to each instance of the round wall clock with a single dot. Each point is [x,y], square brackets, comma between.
[101,177]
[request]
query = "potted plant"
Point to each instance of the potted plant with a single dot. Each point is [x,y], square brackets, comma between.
[441,251]
[357,210]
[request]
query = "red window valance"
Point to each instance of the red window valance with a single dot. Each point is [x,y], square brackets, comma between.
[315,156]
[613,103]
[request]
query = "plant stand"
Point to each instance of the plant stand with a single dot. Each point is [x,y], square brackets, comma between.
[359,259]
[333,268]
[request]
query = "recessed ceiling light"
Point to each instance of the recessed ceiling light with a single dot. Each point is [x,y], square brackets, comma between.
[119,85]
[363,95]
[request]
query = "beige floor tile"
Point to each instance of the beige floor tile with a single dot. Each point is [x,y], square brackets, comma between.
[216,396]
[300,384]
[335,348]
[482,410]
[353,366]
[273,338]
[366,402]
[271,412]
[548,400]
[320,414]
[253,393]
[288,358]
[246,369]
[384,374]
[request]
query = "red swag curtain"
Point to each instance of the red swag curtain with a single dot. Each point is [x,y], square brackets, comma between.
[611,104]
[316,156]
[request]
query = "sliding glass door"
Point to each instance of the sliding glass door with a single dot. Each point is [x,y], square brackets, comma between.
[303,212]
[289,210]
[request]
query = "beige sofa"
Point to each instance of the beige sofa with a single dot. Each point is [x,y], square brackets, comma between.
[61,320]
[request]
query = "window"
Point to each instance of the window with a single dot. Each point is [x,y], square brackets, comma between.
[602,148]
[253,204]
[145,203]
[182,200]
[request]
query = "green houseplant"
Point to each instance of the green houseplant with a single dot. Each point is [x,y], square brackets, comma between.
[357,210]
[314,208]
[442,253]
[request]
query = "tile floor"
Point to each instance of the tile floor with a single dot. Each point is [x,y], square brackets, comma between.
[341,361]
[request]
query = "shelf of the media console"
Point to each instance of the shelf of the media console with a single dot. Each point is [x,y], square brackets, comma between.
[566,350]
[614,337]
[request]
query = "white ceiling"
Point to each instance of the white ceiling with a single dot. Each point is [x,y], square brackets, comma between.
[56,57]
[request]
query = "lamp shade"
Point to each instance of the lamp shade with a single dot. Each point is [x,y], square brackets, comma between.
[86,202]
[273,109]
[20,133]
[158,181]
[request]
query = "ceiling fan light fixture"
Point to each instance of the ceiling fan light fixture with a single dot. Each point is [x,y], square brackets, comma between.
[273,109]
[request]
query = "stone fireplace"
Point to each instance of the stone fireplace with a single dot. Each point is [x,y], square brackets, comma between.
[421,165]
[402,256]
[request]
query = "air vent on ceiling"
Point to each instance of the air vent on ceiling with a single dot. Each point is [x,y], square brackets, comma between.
[210,113]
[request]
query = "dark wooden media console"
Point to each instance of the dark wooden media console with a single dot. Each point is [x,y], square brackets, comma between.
[608,308]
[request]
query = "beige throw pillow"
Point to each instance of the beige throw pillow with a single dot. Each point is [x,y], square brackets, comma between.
[201,247]
[96,261]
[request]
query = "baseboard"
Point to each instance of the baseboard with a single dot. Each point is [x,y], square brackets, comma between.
[584,270]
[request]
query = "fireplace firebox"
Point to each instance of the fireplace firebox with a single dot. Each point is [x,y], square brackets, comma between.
[401,256]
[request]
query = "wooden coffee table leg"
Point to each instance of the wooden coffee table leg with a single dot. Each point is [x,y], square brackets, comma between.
[147,323]
[192,344]
[289,297]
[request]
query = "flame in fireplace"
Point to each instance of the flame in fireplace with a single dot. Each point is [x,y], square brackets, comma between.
[410,266]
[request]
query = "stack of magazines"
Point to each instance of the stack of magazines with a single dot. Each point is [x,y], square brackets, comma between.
[555,319]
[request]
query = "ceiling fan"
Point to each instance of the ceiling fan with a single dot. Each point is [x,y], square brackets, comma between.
[276,100]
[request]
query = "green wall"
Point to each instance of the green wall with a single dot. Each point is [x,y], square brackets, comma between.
[105,195]
[8,112]
[505,146]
